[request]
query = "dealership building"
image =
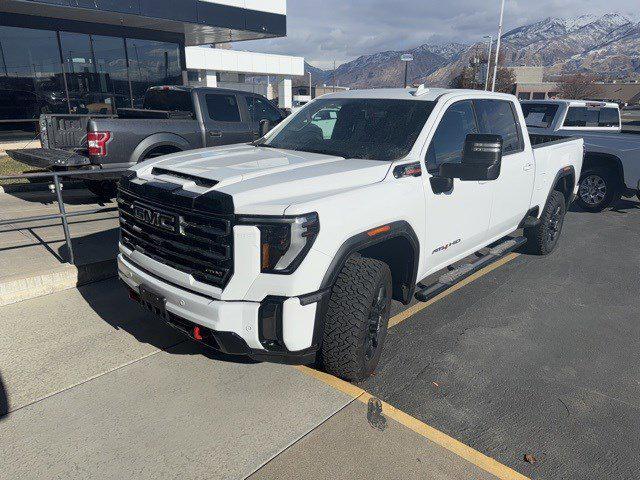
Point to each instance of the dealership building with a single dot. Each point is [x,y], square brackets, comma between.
[94,56]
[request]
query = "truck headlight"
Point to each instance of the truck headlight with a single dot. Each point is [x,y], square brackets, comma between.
[284,241]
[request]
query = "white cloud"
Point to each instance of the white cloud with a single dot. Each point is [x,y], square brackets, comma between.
[326,30]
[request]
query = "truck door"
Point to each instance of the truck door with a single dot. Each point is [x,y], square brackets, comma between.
[513,188]
[259,109]
[458,220]
[224,124]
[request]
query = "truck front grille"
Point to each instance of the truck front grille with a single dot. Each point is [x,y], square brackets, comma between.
[194,242]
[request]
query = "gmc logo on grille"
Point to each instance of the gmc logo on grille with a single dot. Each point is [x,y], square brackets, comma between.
[160,220]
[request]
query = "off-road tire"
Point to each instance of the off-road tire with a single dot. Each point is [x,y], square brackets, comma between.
[543,238]
[612,192]
[103,189]
[347,349]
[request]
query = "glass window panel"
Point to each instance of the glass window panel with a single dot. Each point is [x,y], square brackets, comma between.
[448,140]
[30,80]
[497,117]
[96,68]
[223,108]
[152,64]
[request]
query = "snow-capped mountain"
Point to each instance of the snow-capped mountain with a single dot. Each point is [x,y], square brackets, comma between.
[381,69]
[606,44]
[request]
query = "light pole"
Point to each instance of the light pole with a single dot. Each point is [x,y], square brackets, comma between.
[495,64]
[486,80]
[406,58]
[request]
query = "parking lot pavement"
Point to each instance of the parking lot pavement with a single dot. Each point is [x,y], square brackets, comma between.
[537,356]
[35,247]
[540,357]
[98,388]
[347,446]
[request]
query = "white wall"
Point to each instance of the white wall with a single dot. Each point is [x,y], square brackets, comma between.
[205,58]
[271,6]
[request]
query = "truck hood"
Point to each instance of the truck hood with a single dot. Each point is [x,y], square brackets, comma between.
[264,180]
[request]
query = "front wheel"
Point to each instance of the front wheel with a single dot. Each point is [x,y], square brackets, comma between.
[543,238]
[357,319]
[597,190]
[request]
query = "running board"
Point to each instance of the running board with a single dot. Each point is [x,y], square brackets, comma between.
[458,274]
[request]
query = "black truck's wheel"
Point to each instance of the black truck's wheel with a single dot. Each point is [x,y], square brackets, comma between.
[543,238]
[356,321]
[598,189]
[104,189]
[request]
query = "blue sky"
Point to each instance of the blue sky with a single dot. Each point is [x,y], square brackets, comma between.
[324,30]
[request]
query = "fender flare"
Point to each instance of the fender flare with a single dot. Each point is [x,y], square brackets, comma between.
[156,140]
[607,157]
[360,241]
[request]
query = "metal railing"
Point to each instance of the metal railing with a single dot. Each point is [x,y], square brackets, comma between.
[56,188]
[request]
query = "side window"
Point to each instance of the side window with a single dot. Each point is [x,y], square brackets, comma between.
[260,109]
[609,118]
[222,108]
[497,117]
[447,143]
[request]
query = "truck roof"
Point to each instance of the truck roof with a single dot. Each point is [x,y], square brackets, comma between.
[421,93]
[573,103]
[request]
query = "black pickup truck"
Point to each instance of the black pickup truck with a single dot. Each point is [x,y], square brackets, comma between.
[173,119]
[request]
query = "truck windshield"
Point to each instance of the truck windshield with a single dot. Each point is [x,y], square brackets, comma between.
[539,114]
[364,128]
[168,99]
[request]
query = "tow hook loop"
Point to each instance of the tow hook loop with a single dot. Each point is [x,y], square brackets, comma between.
[196,333]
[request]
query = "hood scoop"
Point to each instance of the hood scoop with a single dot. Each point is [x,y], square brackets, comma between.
[199,181]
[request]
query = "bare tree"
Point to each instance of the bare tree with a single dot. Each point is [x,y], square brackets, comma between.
[505,80]
[472,76]
[579,86]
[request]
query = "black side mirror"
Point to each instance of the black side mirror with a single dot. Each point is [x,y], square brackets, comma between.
[481,159]
[265,127]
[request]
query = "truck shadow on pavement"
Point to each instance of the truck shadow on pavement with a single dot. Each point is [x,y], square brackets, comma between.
[622,206]
[4,401]
[109,299]
[73,196]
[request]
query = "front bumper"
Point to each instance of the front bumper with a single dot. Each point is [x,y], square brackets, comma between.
[278,329]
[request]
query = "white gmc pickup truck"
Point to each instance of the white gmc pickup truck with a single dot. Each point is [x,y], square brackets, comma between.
[612,160]
[292,248]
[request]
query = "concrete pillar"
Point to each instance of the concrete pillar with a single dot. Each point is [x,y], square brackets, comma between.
[285,93]
[211,78]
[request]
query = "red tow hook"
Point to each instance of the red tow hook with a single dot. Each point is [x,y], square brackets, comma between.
[196,334]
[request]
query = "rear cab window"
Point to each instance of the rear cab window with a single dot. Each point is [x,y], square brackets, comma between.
[222,107]
[539,115]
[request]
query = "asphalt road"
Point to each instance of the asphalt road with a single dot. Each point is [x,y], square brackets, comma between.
[539,357]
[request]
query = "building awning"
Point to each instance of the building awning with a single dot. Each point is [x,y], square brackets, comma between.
[199,21]
[252,63]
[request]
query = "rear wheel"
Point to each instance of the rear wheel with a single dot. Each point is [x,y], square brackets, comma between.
[543,238]
[598,189]
[357,318]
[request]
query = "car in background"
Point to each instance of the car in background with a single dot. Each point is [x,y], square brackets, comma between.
[173,119]
[612,158]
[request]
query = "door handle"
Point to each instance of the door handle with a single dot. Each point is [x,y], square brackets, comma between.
[216,134]
[527,167]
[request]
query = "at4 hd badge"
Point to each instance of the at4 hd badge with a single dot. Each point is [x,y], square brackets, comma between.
[445,247]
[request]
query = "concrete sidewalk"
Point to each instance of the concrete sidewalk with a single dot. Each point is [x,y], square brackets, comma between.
[95,387]
[34,255]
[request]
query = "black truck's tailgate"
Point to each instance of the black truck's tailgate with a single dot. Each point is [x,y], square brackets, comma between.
[48,157]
